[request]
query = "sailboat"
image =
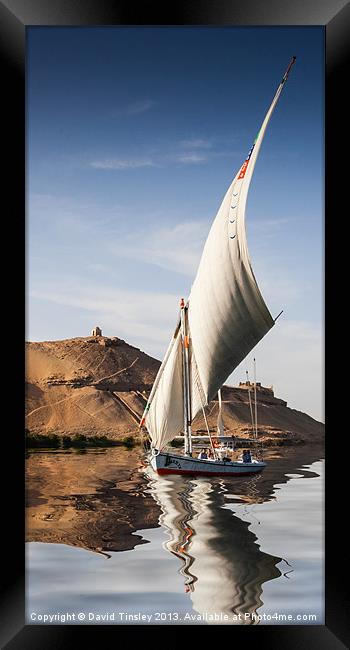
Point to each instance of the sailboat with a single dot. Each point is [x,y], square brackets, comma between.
[223,319]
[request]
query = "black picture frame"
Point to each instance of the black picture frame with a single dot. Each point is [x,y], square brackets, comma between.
[15,16]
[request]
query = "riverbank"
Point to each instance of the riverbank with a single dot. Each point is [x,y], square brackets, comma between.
[79,441]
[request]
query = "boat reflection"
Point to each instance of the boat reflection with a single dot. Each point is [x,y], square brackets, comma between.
[222,564]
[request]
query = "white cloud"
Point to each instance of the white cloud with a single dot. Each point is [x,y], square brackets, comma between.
[191,151]
[120,164]
[140,107]
[191,158]
[144,319]
[100,268]
[154,160]
[67,215]
[174,247]
[177,248]
[135,108]
[196,143]
[269,225]
[276,284]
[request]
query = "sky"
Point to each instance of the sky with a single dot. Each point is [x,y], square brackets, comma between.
[133,136]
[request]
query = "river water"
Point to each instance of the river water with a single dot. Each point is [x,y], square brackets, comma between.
[110,542]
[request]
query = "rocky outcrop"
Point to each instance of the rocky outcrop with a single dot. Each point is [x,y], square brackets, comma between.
[99,385]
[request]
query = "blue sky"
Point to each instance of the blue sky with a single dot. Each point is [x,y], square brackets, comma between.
[133,136]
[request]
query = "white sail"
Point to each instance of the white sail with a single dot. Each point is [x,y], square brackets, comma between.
[227,315]
[164,415]
[220,423]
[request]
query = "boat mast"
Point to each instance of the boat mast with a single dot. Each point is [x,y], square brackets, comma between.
[186,378]
[220,424]
[250,403]
[255,402]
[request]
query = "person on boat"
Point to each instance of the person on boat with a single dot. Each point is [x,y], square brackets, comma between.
[203,455]
[247,457]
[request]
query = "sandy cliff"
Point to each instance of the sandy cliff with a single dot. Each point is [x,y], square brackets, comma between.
[98,385]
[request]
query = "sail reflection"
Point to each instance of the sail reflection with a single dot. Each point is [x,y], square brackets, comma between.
[223,567]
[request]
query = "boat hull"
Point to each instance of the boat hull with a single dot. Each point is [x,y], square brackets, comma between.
[167,463]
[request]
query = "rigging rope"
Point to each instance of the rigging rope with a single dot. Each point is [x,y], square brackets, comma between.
[206,424]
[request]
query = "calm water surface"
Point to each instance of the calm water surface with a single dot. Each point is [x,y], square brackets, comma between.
[108,538]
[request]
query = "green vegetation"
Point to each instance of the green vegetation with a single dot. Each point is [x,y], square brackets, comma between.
[52,440]
[35,440]
[128,441]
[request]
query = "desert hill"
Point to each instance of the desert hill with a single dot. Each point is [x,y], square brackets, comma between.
[98,385]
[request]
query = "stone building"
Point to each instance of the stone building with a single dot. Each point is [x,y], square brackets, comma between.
[96,331]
